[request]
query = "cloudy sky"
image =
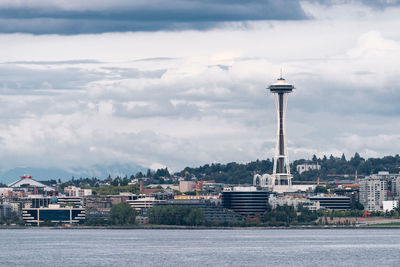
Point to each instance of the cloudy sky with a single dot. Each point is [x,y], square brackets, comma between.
[182,82]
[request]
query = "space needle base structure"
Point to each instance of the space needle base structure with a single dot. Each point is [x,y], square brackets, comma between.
[281,176]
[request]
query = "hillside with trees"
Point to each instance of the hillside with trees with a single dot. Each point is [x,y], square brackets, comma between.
[332,168]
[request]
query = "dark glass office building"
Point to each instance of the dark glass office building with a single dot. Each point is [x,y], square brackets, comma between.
[333,202]
[245,201]
[56,215]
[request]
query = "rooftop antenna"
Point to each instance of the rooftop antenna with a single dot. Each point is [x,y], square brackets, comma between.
[281,74]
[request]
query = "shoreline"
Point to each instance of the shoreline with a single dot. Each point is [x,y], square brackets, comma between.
[181,227]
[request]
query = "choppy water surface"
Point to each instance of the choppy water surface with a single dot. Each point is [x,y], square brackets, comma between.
[72,247]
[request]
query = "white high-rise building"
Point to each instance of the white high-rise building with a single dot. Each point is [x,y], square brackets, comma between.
[373,191]
[377,188]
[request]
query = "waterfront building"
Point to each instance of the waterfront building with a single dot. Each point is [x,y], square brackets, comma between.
[333,202]
[17,204]
[69,201]
[5,211]
[245,200]
[54,213]
[97,215]
[349,190]
[374,190]
[389,205]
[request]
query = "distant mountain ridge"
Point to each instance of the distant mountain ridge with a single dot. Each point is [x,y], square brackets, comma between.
[99,171]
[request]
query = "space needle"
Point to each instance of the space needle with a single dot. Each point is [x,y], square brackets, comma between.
[281,170]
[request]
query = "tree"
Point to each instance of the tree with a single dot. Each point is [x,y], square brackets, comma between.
[122,214]
[314,158]
[195,217]
[358,206]
[356,160]
[176,215]
[320,189]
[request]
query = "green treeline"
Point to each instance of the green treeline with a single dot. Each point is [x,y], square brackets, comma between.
[176,215]
[236,173]
[193,216]
[122,214]
[231,173]
[114,190]
[340,165]
[288,215]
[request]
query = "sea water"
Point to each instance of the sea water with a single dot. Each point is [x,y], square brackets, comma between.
[271,247]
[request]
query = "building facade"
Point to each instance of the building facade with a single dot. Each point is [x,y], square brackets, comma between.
[333,202]
[187,186]
[376,188]
[307,167]
[389,205]
[54,214]
[5,211]
[245,200]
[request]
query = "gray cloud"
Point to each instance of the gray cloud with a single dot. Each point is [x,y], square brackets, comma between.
[122,16]
[76,17]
